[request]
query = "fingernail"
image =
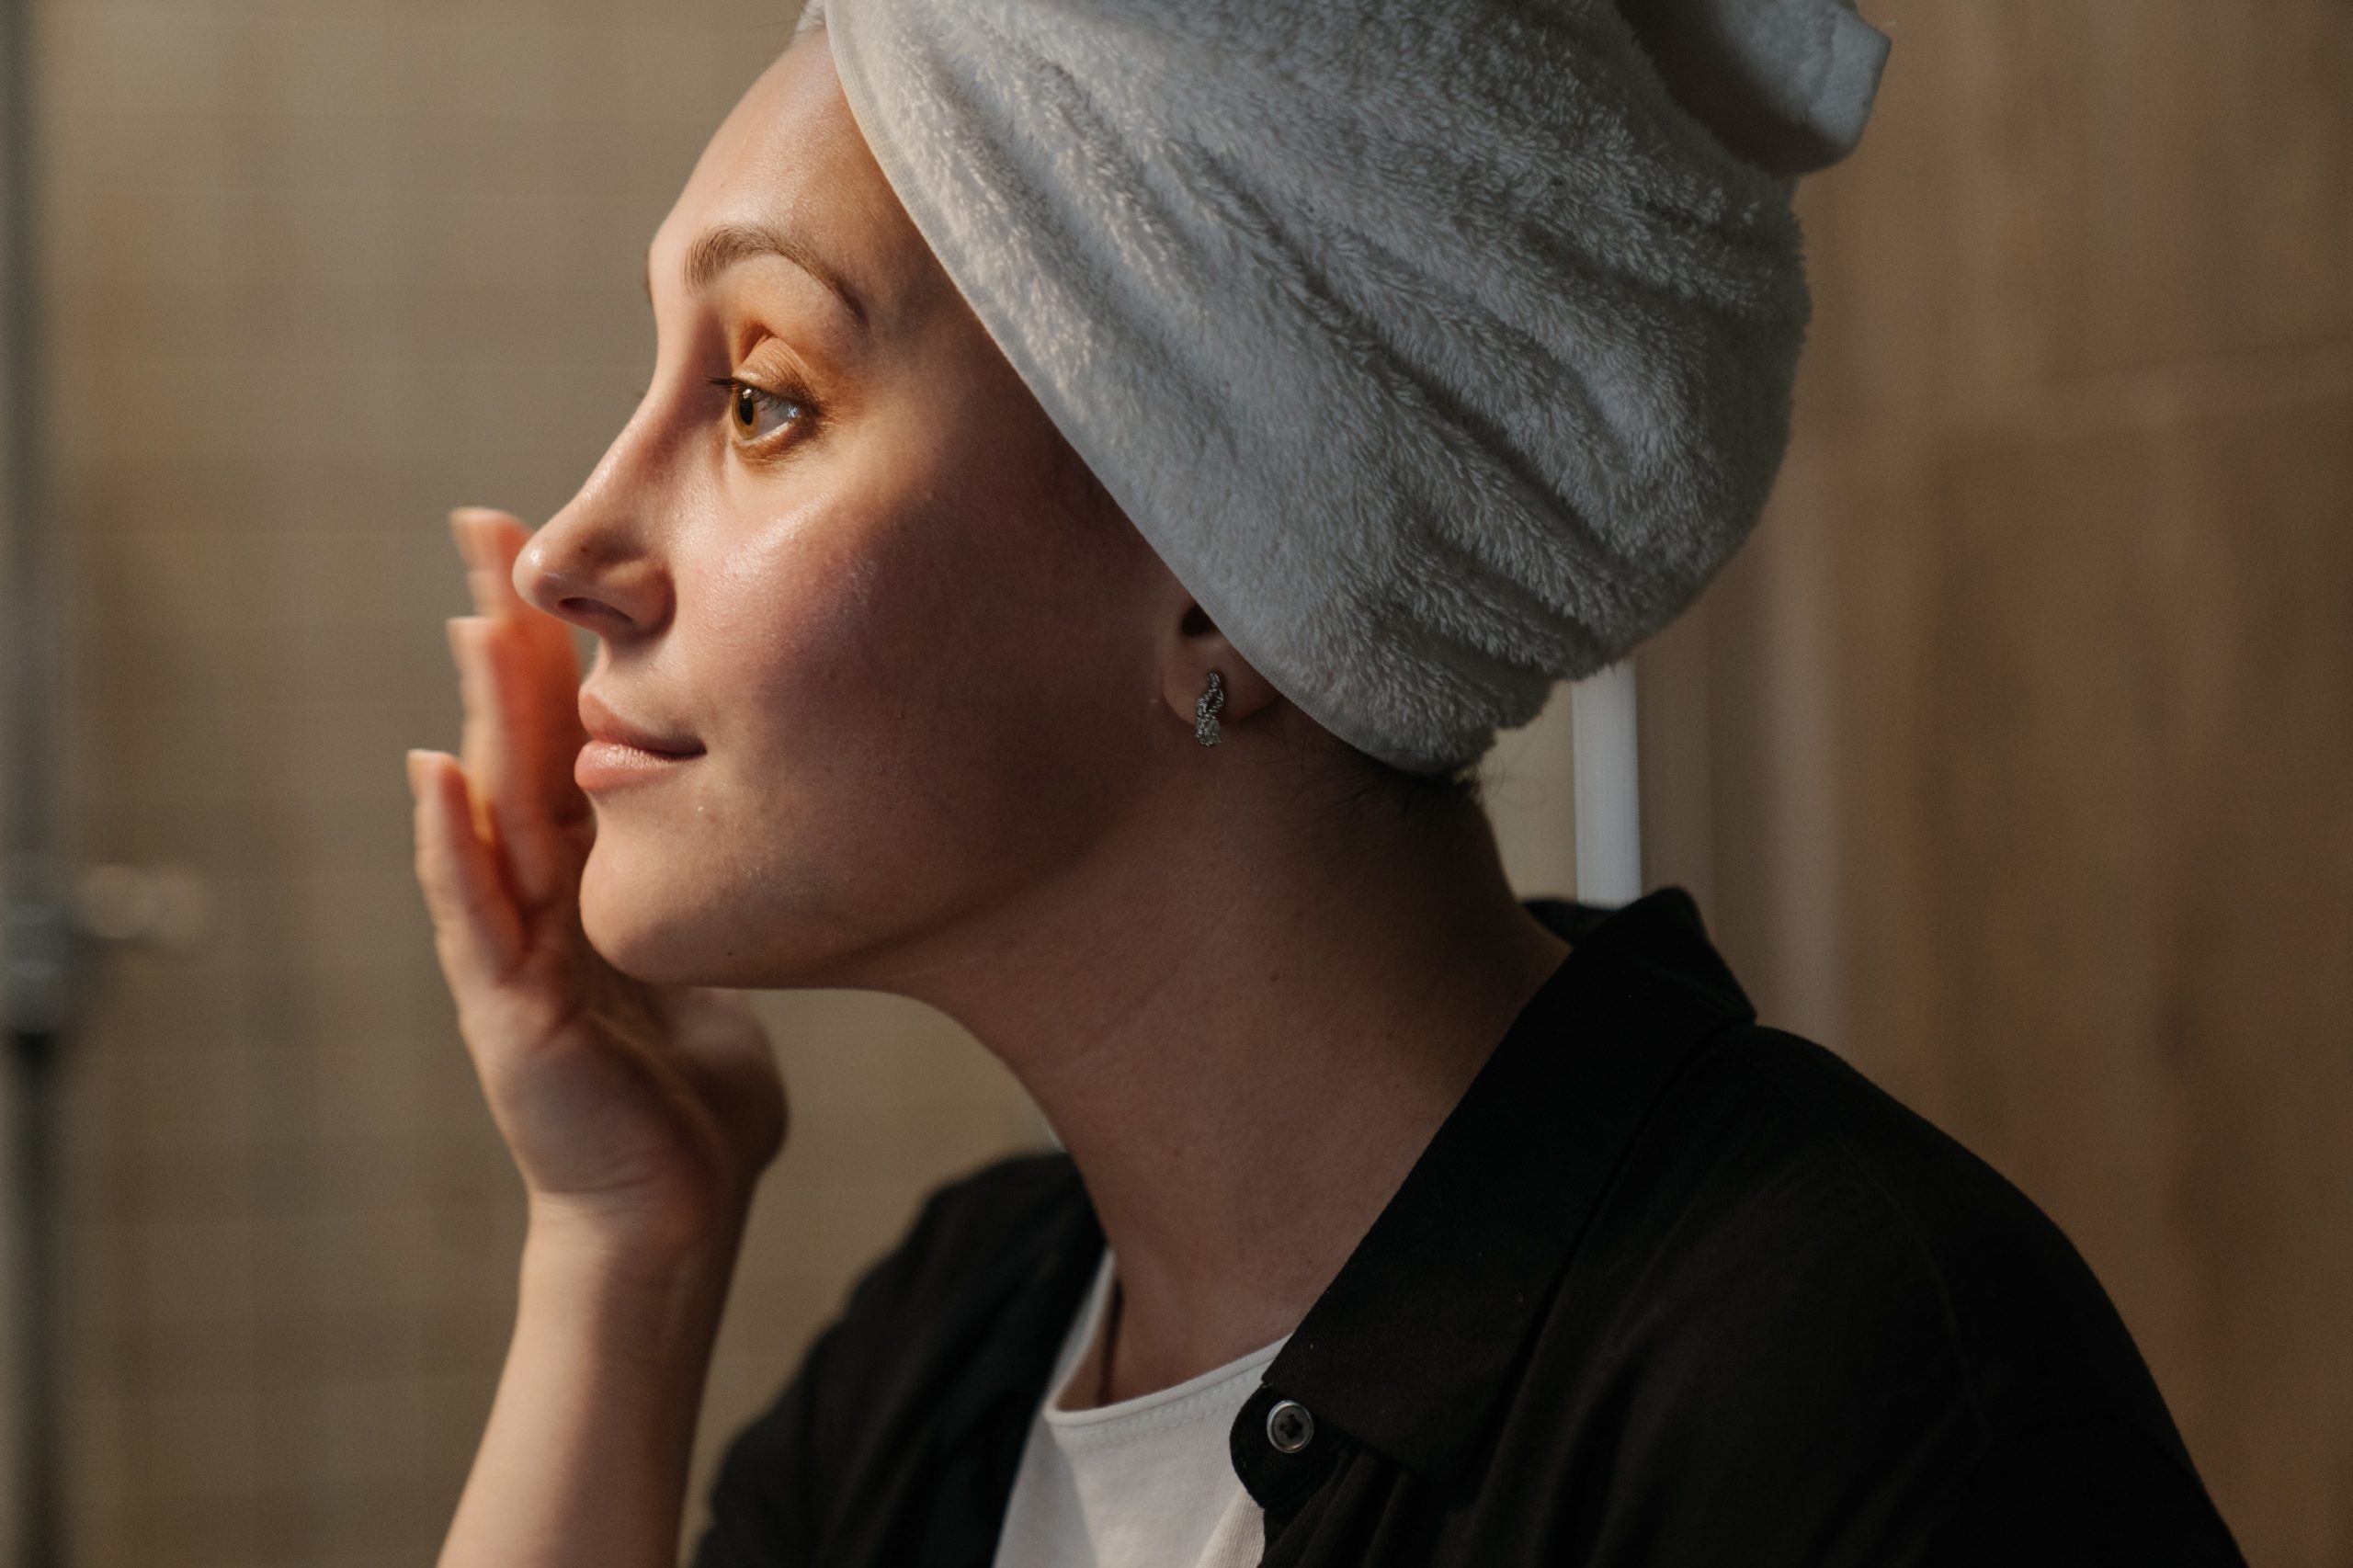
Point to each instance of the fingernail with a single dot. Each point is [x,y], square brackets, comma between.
[415,766]
[465,520]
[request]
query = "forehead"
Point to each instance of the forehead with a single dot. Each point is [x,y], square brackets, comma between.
[790,156]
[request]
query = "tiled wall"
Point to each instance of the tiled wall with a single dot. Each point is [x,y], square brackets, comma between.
[318,269]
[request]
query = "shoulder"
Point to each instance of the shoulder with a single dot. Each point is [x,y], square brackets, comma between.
[2081,1486]
[1889,1215]
[1816,1299]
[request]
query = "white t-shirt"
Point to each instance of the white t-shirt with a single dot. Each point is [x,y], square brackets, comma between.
[1146,1483]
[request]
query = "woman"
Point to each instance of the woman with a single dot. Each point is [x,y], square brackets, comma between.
[1064,570]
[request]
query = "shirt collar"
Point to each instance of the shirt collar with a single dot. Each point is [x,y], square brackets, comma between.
[1411,1348]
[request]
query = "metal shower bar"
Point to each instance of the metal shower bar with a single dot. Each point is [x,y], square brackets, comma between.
[1603,755]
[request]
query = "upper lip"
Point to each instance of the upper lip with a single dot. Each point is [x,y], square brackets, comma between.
[602,722]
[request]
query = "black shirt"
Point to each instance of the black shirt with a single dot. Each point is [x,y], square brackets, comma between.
[1666,1289]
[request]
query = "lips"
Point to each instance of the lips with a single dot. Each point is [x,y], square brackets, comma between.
[622,751]
[602,722]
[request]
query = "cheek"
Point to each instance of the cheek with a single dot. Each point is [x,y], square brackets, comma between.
[781,617]
[917,687]
[830,637]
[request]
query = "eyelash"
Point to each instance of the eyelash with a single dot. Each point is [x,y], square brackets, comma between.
[737,389]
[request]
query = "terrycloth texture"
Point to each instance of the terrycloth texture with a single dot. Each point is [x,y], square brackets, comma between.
[1437,351]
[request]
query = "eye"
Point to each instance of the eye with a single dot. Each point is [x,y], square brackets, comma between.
[755,414]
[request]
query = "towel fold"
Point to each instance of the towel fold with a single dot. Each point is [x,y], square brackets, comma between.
[1442,350]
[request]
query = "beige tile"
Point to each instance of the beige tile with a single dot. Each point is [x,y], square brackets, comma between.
[197,1450]
[209,1530]
[194,1102]
[167,58]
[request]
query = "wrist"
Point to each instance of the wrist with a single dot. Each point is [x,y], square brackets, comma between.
[632,1239]
[651,1289]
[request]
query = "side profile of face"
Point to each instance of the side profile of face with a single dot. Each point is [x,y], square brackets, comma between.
[841,560]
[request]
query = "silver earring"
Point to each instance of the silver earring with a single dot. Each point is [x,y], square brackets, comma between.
[1205,709]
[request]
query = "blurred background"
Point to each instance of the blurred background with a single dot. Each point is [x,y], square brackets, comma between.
[2013,759]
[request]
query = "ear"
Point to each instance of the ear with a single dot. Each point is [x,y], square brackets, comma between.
[1195,647]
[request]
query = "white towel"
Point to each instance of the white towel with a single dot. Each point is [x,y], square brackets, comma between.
[1436,350]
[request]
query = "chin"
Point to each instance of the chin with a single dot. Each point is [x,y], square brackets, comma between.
[639,925]
[671,924]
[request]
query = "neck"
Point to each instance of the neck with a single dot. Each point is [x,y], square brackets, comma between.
[1244,1034]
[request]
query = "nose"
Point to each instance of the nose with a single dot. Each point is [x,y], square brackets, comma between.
[596,563]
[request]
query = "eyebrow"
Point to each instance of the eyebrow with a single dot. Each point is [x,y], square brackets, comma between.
[717,249]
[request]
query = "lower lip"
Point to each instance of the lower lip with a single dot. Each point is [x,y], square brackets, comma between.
[608,765]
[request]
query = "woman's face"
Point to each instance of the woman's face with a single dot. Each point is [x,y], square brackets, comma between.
[840,550]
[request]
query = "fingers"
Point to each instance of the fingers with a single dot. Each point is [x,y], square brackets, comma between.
[490,541]
[482,742]
[538,667]
[483,537]
[531,810]
[476,928]
[502,754]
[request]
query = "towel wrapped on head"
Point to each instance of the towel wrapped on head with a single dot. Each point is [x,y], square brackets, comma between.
[1441,350]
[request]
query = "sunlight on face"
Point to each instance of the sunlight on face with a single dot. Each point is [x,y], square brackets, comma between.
[834,549]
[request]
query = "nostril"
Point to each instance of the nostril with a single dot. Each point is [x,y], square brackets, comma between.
[582,609]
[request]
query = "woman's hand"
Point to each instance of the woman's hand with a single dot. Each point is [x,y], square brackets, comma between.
[639,1116]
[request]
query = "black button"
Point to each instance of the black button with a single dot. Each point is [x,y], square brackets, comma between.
[1278,1479]
[1290,1428]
